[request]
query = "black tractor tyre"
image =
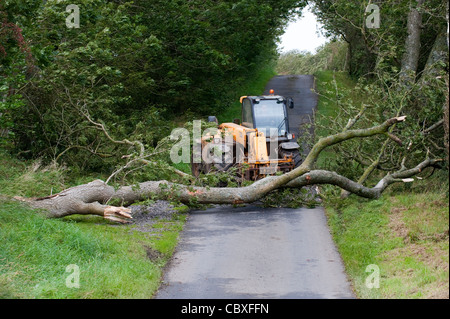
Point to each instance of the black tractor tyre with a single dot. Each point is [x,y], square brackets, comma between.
[295,156]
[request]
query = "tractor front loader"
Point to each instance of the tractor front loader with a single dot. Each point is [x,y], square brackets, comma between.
[257,146]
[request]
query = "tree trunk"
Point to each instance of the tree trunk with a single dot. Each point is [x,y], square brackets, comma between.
[410,59]
[439,53]
[93,198]
[446,124]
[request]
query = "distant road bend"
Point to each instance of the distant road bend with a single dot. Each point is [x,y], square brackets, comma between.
[255,252]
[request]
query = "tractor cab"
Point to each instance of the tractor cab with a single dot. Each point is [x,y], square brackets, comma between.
[267,114]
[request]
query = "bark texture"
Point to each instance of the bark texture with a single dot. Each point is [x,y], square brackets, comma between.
[411,56]
[93,198]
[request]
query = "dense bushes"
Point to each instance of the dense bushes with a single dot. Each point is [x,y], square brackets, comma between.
[132,66]
[400,68]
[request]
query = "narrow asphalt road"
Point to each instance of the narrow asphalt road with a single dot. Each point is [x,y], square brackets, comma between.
[301,89]
[254,252]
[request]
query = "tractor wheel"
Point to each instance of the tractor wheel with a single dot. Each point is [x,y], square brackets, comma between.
[225,165]
[227,161]
[220,166]
[295,156]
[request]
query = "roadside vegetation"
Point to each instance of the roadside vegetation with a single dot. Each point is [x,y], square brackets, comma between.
[113,261]
[330,56]
[404,233]
[78,104]
[400,67]
[99,101]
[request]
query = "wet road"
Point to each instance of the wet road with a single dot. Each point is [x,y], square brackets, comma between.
[250,252]
[302,89]
[254,252]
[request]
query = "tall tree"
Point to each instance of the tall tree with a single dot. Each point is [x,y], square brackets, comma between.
[410,61]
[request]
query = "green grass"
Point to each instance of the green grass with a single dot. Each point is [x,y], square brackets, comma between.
[404,233]
[408,242]
[328,108]
[113,260]
[359,232]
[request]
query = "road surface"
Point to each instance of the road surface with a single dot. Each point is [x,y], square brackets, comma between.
[301,89]
[255,252]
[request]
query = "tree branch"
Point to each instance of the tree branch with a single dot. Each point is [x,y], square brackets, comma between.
[92,198]
[318,177]
[433,127]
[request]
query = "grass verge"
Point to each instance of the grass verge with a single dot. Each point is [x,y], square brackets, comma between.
[37,254]
[396,247]
[403,234]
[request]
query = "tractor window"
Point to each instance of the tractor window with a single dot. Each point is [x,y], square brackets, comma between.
[270,115]
[247,118]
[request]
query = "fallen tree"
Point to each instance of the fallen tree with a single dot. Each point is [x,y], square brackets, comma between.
[94,197]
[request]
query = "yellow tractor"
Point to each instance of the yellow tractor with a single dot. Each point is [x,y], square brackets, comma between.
[258,146]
